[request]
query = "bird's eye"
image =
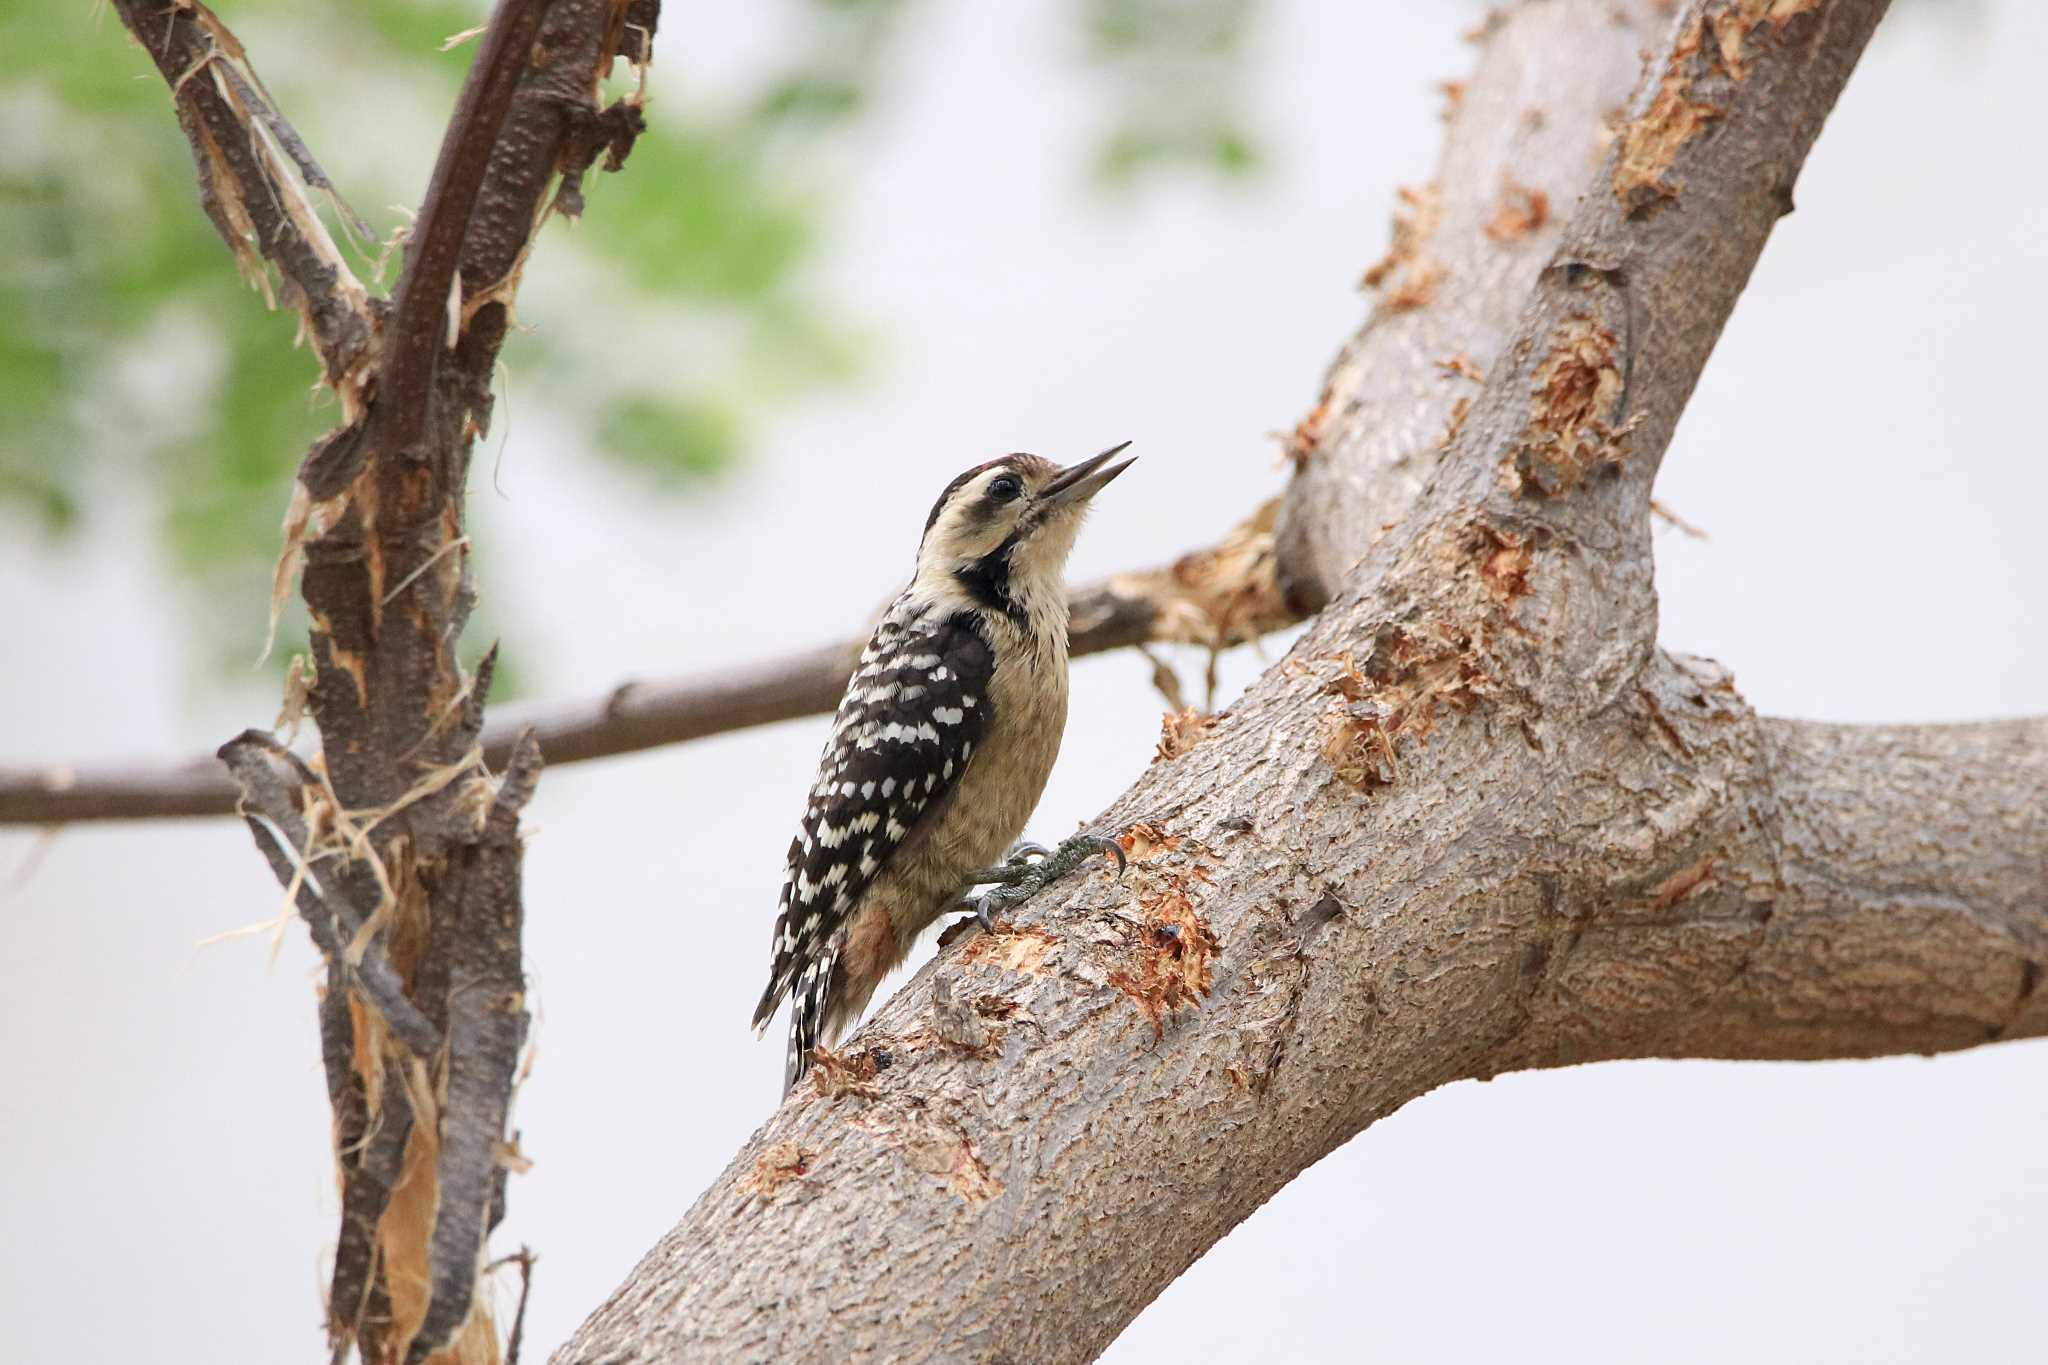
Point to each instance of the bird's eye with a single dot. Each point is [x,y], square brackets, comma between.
[1005,487]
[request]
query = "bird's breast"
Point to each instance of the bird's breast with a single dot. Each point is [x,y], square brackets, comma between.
[997,792]
[1008,774]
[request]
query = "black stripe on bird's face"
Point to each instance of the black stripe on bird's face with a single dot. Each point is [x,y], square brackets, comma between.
[987,581]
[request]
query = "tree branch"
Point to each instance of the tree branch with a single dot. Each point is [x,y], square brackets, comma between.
[246,186]
[276,791]
[1216,597]
[414,344]
[1519,137]
[1475,821]
[1023,1202]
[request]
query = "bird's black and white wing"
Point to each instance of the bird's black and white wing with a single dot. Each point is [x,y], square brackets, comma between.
[914,711]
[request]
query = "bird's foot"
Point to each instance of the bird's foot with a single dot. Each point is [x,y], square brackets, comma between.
[1031,867]
[1077,850]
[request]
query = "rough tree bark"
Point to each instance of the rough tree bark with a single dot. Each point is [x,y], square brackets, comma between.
[398,845]
[1475,821]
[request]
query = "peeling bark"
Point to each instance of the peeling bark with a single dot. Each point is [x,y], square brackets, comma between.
[247,189]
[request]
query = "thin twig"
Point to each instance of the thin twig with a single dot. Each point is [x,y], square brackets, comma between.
[1178,603]
[524,1259]
[1671,518]
[269,779]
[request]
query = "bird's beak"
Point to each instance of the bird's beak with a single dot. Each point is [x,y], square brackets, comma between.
[1080,482]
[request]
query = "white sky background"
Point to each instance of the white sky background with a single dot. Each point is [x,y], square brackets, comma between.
[1862,450]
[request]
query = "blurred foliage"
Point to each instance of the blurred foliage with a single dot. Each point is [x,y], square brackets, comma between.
[1173,73]
[139,377]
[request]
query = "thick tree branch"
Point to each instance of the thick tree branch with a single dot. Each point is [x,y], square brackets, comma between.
[1215,597]
[1022,1202]
[1520,136]
[1905,910]
[1475,821]
[387,589]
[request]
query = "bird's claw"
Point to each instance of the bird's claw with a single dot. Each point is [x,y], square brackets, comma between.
[1079,849]
[1114,847]
[1031,867]
[984,904]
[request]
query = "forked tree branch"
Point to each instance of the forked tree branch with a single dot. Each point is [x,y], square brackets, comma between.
[1476,821]
[400,849]
[1521,135]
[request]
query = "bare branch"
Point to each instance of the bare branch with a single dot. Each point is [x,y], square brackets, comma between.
[1529,122]
[387,589]
[63,794]
[334,899]
[246,184]
[1216,597]
[414,346]
[402,837]
[1346,984]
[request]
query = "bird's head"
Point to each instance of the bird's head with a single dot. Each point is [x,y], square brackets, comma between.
[1000,533]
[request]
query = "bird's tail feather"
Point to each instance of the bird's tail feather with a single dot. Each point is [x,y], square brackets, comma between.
[809,997]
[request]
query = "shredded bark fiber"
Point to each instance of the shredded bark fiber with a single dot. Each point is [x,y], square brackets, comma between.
[1576,397]
[1169,967]
[1651,141]
[1396,694]
[1180,731]
[1408,275]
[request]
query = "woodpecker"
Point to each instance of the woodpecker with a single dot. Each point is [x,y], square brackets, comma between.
[940,748]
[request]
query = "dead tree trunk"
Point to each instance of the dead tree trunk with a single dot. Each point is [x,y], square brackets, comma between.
[1477,820]
[399,846]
